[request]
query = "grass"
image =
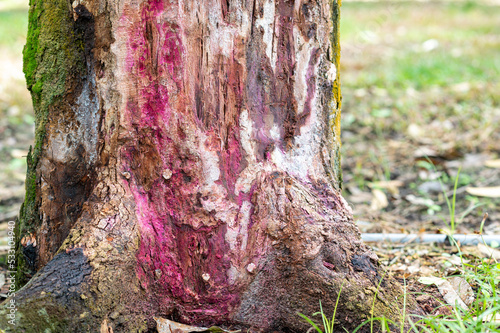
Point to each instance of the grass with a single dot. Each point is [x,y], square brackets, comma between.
[13,27]
[484,313]
[15,102]
[484,274]
[482,316]
[327,324]
[397,65]
[396,33]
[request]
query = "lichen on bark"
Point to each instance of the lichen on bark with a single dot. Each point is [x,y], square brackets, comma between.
[336,102]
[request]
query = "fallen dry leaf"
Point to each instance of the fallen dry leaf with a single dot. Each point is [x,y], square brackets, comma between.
[358,196]
[426,270]
[492,164]
[463,289]
[456,260]
[424,151]
[471,251]
[419,201]
[19,153]
[451,295]
[398,268]
[429,280]
[490,192]
[379,200]
[490,318]
[488,251]
[168,326]
[391,185]
[414,267]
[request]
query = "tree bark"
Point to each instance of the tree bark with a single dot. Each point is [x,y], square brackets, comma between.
[187,166]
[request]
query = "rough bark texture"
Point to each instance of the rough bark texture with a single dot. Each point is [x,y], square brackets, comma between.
[186,166]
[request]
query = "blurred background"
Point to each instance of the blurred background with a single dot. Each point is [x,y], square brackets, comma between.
[16,112]
[421,101]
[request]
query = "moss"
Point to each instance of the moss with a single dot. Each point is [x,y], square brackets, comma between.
[31,47]
[375,302]
[53,54]
[37,315]
[337,95]
[46,313]
[336,53]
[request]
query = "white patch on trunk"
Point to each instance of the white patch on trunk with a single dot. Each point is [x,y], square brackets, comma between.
[246,178]
[302,56]
[238,231]
[221,41]
[214,200]
[87,114]
[248,175]
[236,228]
[302,160]
[64,143]
[332,72]
[242,14]
[275,132]
[59,149]
[232,274]
[246,207]
[221,37]
[247,142]
[232,232]
[267,23]
[210,161]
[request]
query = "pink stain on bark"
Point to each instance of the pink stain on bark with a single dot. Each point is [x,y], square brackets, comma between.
[182,263]
[270,92]
[231,159]
[184,257]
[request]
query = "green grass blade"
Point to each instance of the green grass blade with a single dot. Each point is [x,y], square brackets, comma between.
[312,323]
[336,305]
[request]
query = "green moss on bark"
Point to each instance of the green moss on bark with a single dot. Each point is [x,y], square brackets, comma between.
[53,54]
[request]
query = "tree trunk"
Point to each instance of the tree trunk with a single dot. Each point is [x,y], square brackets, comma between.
[186,166]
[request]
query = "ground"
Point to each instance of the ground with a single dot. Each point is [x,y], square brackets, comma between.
[420,84]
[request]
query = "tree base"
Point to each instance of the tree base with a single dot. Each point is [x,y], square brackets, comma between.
[312,250]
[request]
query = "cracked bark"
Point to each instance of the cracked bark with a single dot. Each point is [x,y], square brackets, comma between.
[189,169]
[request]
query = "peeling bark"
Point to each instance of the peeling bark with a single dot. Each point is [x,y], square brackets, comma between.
[189,169]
